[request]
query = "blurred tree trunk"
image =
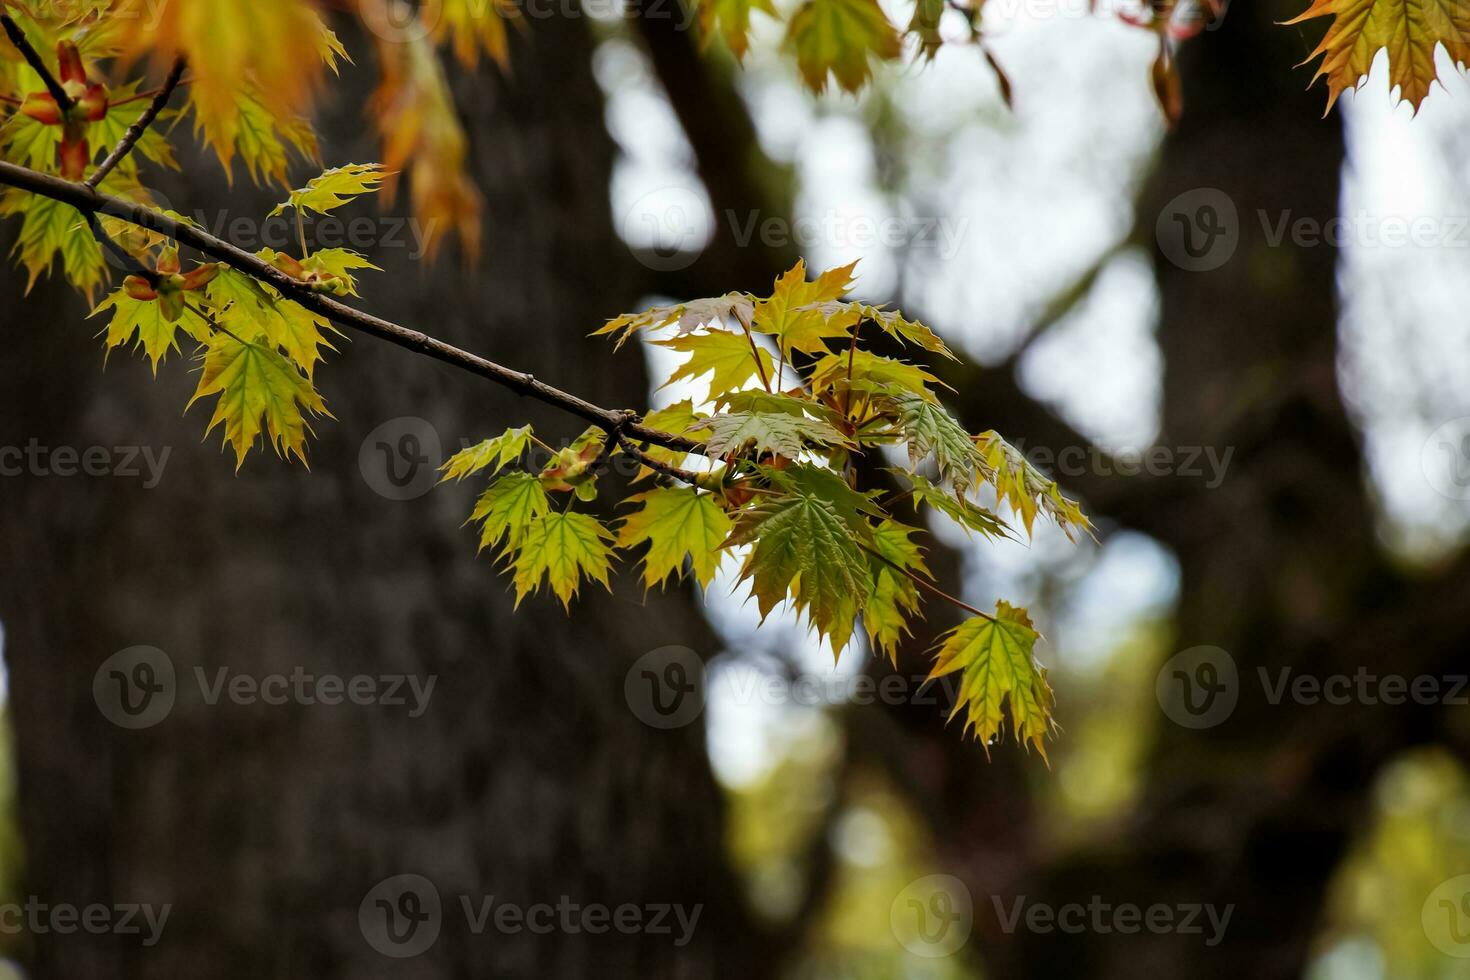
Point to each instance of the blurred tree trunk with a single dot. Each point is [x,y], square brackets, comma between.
[527,778]
[1281,566]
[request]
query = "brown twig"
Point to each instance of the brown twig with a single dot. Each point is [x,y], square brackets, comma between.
[136,130]
[91,201]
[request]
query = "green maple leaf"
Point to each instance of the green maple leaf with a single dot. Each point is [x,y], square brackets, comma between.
[870,373]
[731,20]
[895,597]
[961,510]
[807,544]
[496,454]
[1028,491]
[676,522]
[891,322]
[334,188]
[929,429]
[145,322]
[725,356]
[561,549]
[259,392]
[838,36]
[508,507]
[781,434]
[999,676]
[257,313]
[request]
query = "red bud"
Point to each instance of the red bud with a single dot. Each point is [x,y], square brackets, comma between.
[41,107]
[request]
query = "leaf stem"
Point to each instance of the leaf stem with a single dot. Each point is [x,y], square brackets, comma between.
[756,353]
[925,584]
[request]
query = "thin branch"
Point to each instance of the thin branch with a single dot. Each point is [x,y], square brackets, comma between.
[658,466]
[924,583]
[129,263]
[33,58]
[140,96]
[136,130]
[90,201]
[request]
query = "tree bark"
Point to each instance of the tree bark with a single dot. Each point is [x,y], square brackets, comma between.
[527,778]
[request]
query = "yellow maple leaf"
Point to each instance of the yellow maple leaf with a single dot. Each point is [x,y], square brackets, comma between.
[1411,31]
[277,49]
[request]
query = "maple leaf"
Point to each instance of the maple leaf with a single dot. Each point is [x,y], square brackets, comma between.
[928,428]
[891,322]
[256,312]
[494,454]
[924,25]
[764,432]
[806,544]
[473,25]
[562,549]
[261,137]
[334,188]
[999,676]
[870,373]
[895,597]
[838,36]
[792,313]
[508,507]
[424,140]
[731,309]
[1026,488]
[725,356]
[279,49]
[148,322]
[1411,31]
[730,19]
[677,523]
[259,391]
[50,229]
[961,510]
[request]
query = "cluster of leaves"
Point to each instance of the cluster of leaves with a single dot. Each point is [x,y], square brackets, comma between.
[842,38]
[255,70]
[797,407]
[259,349]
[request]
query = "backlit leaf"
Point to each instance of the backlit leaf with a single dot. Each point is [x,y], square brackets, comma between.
[677,523]
[999,676]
